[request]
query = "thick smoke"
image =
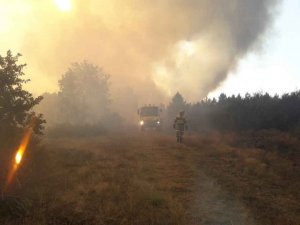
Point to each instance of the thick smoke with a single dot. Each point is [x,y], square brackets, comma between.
[155,47]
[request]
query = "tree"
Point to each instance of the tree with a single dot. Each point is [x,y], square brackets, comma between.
[84,94]
[176,105]
[16,104]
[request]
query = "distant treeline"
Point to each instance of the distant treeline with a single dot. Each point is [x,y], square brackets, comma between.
[237,113]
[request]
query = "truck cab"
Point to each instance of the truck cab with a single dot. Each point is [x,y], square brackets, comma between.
[149,117]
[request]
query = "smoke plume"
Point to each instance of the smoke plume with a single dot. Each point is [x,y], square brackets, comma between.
[155,47]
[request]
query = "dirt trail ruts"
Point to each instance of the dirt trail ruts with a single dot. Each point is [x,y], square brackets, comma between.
[213,206]
[173,169]
[209,204]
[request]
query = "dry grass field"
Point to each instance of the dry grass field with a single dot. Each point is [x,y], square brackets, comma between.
[148,179]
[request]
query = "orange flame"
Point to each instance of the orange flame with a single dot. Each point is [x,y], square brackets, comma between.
[19,156]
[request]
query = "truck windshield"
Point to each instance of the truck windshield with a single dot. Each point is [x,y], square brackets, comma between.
[149,111]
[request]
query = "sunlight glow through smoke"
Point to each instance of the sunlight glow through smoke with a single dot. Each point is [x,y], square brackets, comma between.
[64,5]
[18,157]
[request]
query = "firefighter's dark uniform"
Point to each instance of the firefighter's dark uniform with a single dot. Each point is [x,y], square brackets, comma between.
[180,125]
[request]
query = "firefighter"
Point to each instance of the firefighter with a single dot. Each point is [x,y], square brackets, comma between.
[180,125]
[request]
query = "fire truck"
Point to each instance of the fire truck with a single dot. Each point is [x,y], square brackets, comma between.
[150,117]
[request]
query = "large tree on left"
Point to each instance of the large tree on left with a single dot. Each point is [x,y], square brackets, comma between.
[16,104]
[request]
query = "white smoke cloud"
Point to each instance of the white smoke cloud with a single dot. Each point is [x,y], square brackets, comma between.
[155,47]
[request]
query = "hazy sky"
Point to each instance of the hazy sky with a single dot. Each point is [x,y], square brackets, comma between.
[276,69]
[155,48]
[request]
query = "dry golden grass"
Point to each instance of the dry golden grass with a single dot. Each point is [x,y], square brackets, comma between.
[266,180]
[149,179]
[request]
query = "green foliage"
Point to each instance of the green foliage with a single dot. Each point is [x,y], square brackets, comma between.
[16,104]
[256,112]
[84,94]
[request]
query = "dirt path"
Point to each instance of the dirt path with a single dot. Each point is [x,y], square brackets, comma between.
[209,203]
[213,206]
[158,165]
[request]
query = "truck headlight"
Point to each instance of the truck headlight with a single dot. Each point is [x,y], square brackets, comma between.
[158,122]
[141,122]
